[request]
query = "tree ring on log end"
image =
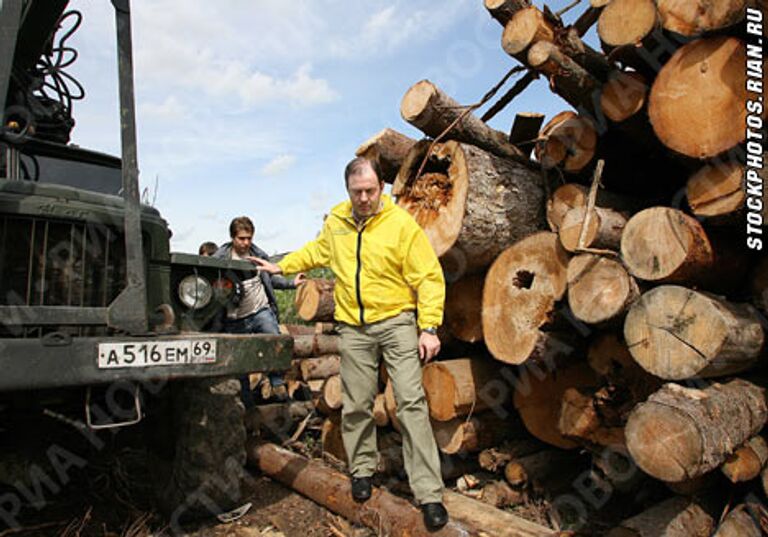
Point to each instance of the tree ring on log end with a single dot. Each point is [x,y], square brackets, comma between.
[626,22]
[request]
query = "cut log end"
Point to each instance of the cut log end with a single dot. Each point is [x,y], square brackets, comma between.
[599,288]
[716,190]
[626,22]
[417,101]
[526,27]
[623,96]
[694,18]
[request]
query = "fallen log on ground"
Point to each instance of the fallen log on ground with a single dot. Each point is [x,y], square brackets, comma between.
[384,512]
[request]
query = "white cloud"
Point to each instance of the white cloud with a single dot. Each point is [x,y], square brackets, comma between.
[279,164]
[169,109]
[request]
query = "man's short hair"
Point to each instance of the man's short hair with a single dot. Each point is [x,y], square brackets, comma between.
[358,164]
[241,223]
[207,248]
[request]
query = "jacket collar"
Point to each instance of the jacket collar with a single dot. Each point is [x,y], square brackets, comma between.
[344,209]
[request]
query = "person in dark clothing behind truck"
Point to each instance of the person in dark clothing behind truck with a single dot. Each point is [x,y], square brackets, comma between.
[256,311]
[207,249]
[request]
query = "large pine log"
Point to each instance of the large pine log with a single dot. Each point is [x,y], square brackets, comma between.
[600,228]
[747,462]
[314,300]
[471,203]
[427,108]
[662,244]
[539,397]
[305,346]
[320,367]
[503,10]
[626,22]
[599,288]
[703,86]
[464,308]
[739,523]
[681,433]
[454,388]
[462,435]
[694,17]
[676,333]
[676,517]
[520,293]
[568,140]
[487,520]
[389,148]
[384,512]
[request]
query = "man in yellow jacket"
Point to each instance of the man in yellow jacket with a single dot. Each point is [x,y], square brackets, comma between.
[387,277]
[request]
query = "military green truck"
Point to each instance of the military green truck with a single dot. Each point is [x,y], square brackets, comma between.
[95,311]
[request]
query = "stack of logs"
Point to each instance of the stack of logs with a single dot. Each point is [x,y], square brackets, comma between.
[600,302]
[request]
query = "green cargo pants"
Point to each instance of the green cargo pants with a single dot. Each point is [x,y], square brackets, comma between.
[397,340]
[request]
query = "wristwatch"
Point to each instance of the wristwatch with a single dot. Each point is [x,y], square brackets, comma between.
[430,330]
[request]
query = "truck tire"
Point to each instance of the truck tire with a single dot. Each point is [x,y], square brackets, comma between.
[197,448]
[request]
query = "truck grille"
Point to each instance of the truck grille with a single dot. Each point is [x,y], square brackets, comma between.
[57,263]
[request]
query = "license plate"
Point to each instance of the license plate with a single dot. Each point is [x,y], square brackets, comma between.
[157,353]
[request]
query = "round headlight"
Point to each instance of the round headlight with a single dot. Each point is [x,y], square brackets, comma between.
[195,292]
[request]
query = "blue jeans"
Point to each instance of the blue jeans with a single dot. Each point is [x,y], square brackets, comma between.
[261,322]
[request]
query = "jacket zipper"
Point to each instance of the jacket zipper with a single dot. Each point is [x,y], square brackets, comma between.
[357,275]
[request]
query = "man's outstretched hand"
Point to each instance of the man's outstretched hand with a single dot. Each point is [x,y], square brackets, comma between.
[429,346]
[265,265]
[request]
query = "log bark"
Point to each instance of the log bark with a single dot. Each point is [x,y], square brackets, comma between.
[691,18]
[462,435]
[495,459]
[738,523]
[503,10]
[623,96]
[566,77]
[430,110]
[306,346]
[526,27]
[676,333]
[747,462]
[389,148]
[703,86]
[538,400]
[603,229]
[384,512]
[599,288]
[716,192]
[676,517]
[681,433]
[521,290]
[321,367]
[568,141]
[662,244]
[471,203]
[536,470]
[455,388]
[464,308]
[314,300]
[489,520]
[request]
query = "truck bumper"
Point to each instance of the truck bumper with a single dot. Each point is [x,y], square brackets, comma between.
[42,363]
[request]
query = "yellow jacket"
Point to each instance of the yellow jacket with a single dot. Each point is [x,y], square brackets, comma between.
[382,270]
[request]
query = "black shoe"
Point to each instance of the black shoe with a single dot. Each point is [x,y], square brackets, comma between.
[435,515]
[361,488]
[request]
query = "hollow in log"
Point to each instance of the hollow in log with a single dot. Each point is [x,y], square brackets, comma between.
[520,294]
[676,333]
[703,86]
[681,433]
[599,288]
[676,517]
[471,203]
[389,148]
[430,110]
[314,300]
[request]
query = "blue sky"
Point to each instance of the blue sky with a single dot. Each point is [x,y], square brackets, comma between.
[254,107]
